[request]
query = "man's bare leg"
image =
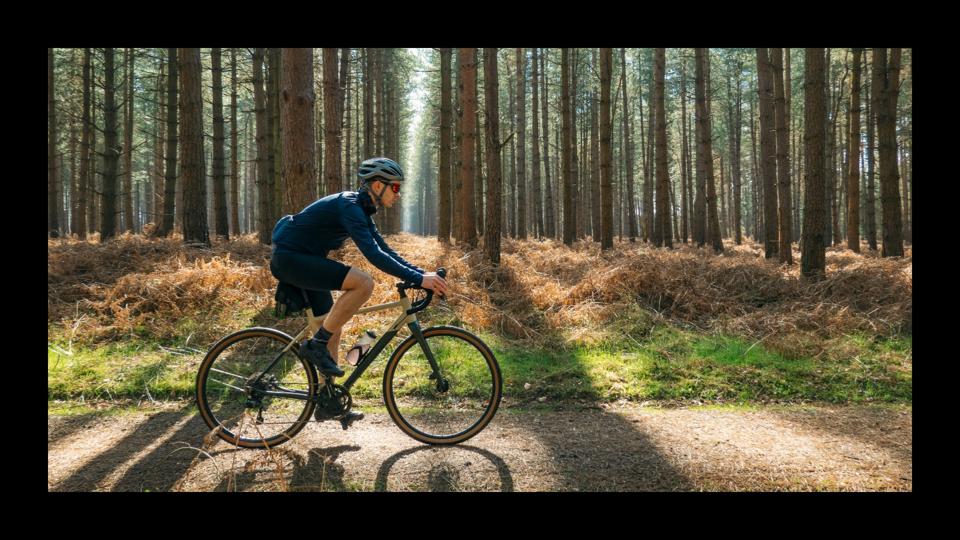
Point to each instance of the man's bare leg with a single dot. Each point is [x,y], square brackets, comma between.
[357,289]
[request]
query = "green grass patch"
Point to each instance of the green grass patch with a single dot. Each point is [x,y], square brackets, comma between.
[661,362]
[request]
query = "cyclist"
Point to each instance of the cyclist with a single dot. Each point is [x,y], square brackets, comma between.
[301,243]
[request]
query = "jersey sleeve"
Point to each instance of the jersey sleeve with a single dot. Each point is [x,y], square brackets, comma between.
[363,232]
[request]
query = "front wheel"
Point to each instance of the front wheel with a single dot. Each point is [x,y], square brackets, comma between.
[453,407]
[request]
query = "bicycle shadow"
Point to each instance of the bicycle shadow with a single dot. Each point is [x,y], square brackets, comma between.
[449,470]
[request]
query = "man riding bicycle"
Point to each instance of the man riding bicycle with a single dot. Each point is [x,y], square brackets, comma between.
[301,243]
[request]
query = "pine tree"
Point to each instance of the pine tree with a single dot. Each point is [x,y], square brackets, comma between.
[813,245]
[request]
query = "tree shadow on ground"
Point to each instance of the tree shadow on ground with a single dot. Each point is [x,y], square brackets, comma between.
[591,452]
[156,471]
[887,428]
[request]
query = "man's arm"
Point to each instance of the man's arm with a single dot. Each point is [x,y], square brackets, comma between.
[356,224]
[383,245]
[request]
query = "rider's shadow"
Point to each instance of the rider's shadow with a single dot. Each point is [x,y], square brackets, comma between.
[442,469]
[321,472]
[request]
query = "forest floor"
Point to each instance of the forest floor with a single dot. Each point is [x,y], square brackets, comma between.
[633,369]
[557,447]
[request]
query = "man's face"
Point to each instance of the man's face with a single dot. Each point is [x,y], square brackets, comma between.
[388,197]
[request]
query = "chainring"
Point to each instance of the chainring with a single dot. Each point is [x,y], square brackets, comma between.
[333,401]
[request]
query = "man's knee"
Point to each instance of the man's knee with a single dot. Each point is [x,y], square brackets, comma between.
[358,280]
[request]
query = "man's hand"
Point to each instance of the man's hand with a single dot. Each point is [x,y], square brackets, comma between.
[435,283]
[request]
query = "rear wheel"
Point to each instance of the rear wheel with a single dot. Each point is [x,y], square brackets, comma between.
[449,409]
[231,395]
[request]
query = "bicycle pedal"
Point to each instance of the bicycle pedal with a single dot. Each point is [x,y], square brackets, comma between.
[348,419]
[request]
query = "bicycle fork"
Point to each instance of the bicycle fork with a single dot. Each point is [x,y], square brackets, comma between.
[442,383]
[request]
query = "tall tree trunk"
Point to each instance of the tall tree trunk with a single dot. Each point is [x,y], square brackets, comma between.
[468,119]
[873,100]
[737,190]
[703,109]
[813,246]
[548,186]
[535,165]
[684,153]
[53,223]
[170,172]
[649,177]
[595,165]
[111,150]
[704,157]
[234,148]
[783,154]
[521,143]
[853,151]
[273,134]
[886,82]
[221,225]
[662,231]
[478,160]
[193,169]
[296,123]
[768,156]
[606,154]
[491,240]
[332,134]
[568,217]
[443,233]
[264,184]
[628,147]
[128,215]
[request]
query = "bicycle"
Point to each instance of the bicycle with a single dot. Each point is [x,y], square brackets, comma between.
[441,385]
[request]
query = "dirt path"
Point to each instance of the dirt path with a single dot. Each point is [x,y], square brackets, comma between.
[617,448]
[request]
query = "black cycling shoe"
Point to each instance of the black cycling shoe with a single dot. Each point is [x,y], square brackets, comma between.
[317,354]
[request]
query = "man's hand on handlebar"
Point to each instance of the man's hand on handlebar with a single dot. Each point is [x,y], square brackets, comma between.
[435,283]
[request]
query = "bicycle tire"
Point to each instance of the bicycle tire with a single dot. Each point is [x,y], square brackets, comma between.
[441,407]
[295,370]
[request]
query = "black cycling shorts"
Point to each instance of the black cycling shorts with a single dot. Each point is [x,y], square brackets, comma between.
[316,274]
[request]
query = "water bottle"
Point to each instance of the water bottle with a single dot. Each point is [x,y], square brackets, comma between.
[357,351]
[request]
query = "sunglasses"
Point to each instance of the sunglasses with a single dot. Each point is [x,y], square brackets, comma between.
[395,187]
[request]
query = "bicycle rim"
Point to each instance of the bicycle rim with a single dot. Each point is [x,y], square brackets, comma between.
[250,419]
[434,415]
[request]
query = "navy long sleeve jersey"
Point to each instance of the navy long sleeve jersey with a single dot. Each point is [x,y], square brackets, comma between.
[328,222]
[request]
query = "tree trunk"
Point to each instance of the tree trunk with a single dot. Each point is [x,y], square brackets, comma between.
[568,217]
[712,218]
[662,231]
[296,120]
[628,148]
[521,143]
[491,240]
[111,151]
[853,152]
[332,135]
[606,153]
[170,172]
[703,156]
[127,197]
[549,221]
[192,168]
[53,223]
[886,81]
[812,246]
[264,184]
[768,156]
[785,248]
[535,165]
[234,148]
[443,233]
[468,119]
[597,229]
[221,225]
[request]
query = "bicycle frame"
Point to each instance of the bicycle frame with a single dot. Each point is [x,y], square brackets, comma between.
[314,323]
